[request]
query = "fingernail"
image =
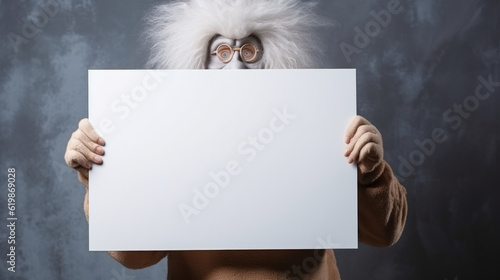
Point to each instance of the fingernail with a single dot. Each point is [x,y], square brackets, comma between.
[101,142]
[97,159]
[89,165]
[346,140]
[99,150]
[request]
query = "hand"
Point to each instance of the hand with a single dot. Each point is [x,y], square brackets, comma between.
[364,144]
[84,148]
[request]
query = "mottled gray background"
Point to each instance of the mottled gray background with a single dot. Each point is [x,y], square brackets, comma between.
[427,59]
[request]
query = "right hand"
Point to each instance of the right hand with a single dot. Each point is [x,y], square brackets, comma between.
[84,148]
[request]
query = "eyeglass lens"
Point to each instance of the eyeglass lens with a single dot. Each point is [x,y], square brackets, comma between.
[248,53]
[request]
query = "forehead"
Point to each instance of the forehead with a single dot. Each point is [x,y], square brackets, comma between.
[219,39]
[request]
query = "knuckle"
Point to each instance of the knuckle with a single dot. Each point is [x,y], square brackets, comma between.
[83,123]
[77,159]
[366,137]
[363,129]
[75,145]
[369,128]
[83,150]
[79,146]
[360,120]
[67,158]
[69,155]
[370,146]
[78,134]
[72,142]
[73,160]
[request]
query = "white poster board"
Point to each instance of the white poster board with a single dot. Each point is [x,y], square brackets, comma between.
[203,160]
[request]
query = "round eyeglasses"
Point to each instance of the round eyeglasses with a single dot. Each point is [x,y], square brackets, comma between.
[225,53]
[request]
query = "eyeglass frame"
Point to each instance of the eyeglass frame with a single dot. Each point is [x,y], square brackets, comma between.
[233,50]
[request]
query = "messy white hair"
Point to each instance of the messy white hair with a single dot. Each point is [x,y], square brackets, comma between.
[178,33]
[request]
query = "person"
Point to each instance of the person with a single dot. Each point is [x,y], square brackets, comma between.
[232,34]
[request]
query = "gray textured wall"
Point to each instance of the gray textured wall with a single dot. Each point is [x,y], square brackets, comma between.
[411,72]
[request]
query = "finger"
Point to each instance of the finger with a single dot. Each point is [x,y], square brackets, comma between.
[359,133]
[370,157]
[360,143]
[86,127]
[77,145]
[371,152]
[83,144]
[353,127]
[76,159]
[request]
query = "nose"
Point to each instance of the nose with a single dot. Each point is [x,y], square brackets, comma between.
[236,62]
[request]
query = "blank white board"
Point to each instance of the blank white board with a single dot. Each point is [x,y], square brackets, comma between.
[208,160]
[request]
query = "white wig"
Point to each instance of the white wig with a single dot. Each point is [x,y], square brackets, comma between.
[178,33]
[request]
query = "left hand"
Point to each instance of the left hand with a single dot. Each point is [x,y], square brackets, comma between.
[364,144]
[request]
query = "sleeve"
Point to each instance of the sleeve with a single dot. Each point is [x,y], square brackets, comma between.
[382,207]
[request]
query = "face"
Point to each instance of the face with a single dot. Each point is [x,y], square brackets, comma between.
[246,53]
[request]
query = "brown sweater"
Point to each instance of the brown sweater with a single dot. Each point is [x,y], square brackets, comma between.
[382,215]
